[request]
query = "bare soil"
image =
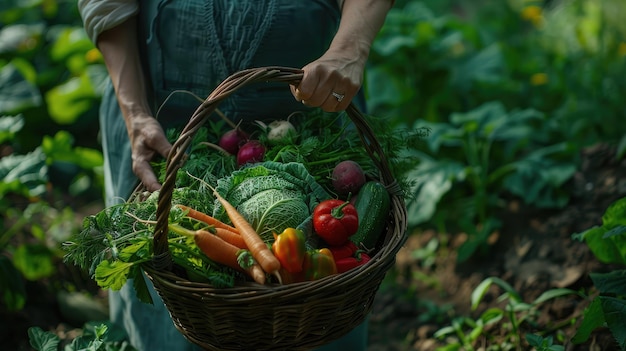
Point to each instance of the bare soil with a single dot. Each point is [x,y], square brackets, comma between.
[533,252]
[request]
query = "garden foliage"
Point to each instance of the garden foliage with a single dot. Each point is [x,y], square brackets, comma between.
[511,92]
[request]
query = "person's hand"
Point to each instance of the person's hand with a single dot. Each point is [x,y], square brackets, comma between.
[330,82]
[147,139]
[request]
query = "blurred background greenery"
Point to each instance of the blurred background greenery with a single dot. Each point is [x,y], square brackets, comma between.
[511,91]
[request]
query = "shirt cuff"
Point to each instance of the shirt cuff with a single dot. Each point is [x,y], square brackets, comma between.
[100,15]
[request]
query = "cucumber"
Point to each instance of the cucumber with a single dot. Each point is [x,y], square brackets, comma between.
[372,205]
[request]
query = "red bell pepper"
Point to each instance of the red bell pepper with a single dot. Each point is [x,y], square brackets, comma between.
[335,221]
[318,264]
[341,251]
[289,248]
[347,263]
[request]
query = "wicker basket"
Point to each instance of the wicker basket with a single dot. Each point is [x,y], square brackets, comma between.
[249,316]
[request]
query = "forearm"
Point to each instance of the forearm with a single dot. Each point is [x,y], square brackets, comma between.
[120,51]
[361,20]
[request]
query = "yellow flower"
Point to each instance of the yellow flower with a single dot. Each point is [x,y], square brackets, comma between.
[93,55]
[533,13]
[621,49]
[539,79]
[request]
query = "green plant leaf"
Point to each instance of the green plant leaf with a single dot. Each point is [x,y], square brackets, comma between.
[16,93]
[489,113]
[12,288]
[486,65]
[392,44]
[60,148]
[28,170]
[476,332]
[14,36]
[105,330]
[542,344]
[443,134]
[534,340]
[603,248]
[141,287]
[615,316]
[112,275]
[385,90]
[41,340]
[538,180]
[619,230]
[593,318]
[516,126]
[404,29]
[9,126]
[477,236]
[608,242]
[433,179]
[35,261]
[553,293]
[444,331]
[81,343]
[613,282]
[479,292]
[615,214]
[621,148]
[492,315]
[70,41]
[468,248]
[68,101]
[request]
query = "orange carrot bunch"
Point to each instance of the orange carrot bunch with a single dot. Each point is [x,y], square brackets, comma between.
[223,243]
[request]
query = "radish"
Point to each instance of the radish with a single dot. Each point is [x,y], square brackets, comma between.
[250,152]
[348,177]
[281,131]
[232,140]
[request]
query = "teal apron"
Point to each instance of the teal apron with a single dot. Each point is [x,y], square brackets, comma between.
[192,46]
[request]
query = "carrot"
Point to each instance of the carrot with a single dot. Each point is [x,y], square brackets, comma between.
[231,237]
[220,251]
[257,273]
[258,248]
[203,217]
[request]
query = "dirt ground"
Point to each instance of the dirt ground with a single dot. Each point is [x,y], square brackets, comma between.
[533,252]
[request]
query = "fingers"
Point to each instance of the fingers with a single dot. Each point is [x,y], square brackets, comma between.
[149,141]
[325,88]
[308,85]
[143,170]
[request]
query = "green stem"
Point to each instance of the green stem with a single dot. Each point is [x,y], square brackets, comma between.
[180,230]
[4,239]
[337,212]
[328,160]
[501,172]
[513,320]
[280,152]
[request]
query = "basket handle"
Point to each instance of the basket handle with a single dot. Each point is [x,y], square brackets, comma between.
[177,157]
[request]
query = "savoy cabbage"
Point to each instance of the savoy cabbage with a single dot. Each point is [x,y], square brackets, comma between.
[272,196]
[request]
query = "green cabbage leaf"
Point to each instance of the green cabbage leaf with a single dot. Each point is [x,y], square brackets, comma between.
[272,196]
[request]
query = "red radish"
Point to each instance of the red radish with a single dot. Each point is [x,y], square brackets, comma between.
[232,140]
[348,177]
[250,152]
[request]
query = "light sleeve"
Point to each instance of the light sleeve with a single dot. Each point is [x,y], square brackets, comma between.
[101,15]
